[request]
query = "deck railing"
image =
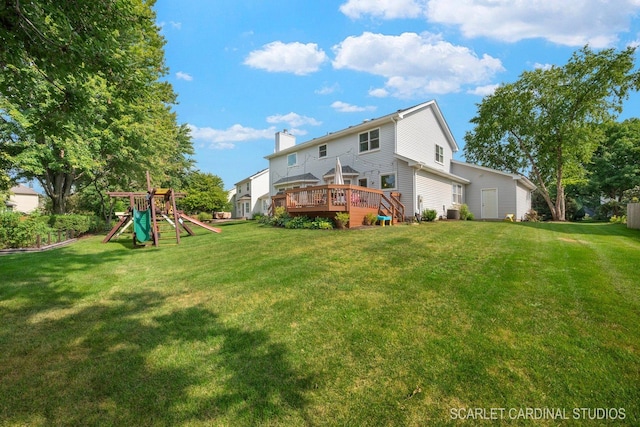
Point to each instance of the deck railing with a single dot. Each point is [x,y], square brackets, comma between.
[326,200]
[330,198]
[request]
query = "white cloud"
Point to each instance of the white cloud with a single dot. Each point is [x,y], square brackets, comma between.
[593,22]
[415,64]
[539,66]
[327,90]
[222,139]
[183,76]
[484,90]
[385,9]
[379,93]
[294,120]
[343,107]
[296,58]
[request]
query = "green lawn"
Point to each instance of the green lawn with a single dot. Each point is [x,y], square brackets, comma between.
[405,325]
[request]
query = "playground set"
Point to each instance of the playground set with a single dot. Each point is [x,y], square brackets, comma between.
[147,210]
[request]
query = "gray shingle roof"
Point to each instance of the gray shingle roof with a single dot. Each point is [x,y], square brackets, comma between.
[296,178]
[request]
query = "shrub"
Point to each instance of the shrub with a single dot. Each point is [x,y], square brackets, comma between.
[205,216]
[610,209]
[370,218]
[80,224]
[465,213]
[281,217]
[298,222]
[622,219]
[429,215]
[264,219]
[322,224]
[631,195]
[21,232]
[342,219]
[531,216]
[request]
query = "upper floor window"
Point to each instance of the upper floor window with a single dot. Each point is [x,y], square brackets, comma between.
[439,154]
[370,140]
[457,194]
[322,151]
[292,159]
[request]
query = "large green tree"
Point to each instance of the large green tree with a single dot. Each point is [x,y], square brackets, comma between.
[547,123]
[615,166]
[205,193]
[89,106]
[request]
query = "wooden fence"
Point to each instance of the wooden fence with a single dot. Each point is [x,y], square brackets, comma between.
[49,241]
[633,215]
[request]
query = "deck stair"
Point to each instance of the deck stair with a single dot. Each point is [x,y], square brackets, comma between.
[391,206]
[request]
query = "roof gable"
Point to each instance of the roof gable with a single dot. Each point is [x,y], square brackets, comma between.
[23,190]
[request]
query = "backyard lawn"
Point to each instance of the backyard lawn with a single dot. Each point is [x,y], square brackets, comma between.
[442,323]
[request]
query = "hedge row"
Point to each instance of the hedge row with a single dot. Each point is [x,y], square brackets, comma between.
[22,231]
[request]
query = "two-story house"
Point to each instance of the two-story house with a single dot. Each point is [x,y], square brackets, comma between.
[409,154]
[252,195]
[22,199]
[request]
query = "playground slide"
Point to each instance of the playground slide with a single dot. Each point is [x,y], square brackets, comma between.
[201,224]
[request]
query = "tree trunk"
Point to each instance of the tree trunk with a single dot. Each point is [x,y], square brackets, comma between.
[57,186]
[559,214]
[560,204]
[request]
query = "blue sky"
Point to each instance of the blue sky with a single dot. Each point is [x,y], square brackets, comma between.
[244,69]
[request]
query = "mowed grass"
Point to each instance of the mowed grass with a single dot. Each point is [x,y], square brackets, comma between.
[404,325]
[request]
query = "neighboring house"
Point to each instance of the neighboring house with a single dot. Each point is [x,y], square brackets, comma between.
[252,195]
[23,199]
[410,153]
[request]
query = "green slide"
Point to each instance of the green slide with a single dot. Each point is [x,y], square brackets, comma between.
[142,225]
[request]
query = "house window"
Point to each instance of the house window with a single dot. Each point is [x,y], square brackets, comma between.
[370,140]
[362,182]
[322,151]
[292,159]
[457,194]
[388,181]
[439,154]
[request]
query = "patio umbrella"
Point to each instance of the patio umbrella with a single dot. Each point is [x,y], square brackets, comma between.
[338,179]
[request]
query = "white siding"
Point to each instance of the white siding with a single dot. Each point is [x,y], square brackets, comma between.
[258,185]
[418,134]
[406,180]
[435,192]
[484,178]
[370,165]
[523,196]
[25,203]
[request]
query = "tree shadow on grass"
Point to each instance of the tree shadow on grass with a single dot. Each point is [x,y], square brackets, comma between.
[137,359]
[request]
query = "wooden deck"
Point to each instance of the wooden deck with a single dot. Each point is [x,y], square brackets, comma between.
[326,200]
